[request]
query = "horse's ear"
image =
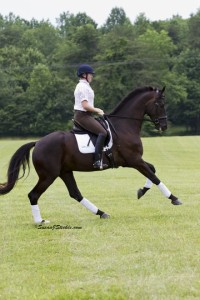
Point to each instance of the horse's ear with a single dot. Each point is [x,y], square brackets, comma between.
[163,89]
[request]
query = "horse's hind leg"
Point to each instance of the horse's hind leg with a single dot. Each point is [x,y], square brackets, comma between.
[148,184]
[35,194]
[74,192]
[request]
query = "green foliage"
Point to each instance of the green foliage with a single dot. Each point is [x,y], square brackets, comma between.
[38,67]
[141,24]
[45,38]
[116,18]
[189,65]
[194,30]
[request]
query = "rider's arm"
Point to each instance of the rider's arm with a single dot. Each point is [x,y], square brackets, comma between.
[89,108]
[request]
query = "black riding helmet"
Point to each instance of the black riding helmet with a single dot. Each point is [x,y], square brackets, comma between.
[84,69]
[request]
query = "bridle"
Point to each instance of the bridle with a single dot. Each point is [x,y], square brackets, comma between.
[157,120]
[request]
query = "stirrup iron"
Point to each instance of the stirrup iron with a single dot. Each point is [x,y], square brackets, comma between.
[99,165]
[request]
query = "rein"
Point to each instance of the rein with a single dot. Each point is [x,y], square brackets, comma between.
[106,117]
[131,118]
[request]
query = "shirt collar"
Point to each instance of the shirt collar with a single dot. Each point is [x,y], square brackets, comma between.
[84,81]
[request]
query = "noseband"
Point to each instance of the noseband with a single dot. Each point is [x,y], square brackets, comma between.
[157,120]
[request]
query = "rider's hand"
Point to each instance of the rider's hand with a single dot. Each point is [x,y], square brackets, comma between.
[99,111]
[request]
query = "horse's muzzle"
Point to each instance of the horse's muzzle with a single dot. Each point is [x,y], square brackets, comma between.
[163,128]
[161,123]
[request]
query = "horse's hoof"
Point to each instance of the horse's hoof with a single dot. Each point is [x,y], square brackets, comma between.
[43,222]
[140,193]
[105,216]
[176,202]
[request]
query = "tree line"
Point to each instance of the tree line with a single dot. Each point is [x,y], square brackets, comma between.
[38,63]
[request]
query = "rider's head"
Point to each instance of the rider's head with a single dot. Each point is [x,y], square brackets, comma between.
[84,70]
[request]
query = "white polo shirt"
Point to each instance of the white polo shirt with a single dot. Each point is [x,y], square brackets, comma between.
[83,91]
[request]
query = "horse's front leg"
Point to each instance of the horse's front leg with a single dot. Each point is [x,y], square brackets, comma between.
[148,184]
[147,170]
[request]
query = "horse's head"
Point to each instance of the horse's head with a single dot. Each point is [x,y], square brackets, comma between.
[157,110]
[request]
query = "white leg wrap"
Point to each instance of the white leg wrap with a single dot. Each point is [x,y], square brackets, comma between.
[148,184]
[89,205]
[164,189]
[36,213]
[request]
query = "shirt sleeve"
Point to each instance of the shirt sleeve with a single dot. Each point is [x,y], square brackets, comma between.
[83,93]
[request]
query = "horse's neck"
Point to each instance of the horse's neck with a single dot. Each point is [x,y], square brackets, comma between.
[130,109]
[129,114]
[127,119]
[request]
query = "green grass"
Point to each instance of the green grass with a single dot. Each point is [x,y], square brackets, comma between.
[148,249]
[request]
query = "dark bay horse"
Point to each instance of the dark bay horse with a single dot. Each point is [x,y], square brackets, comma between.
[57,155]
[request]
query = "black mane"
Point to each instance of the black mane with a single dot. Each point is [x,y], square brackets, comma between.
[133,94]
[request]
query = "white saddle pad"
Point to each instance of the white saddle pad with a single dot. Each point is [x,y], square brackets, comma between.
[85,145]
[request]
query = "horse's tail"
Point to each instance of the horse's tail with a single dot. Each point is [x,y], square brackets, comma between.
[19,158]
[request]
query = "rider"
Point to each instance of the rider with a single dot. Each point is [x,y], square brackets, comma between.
[84,107]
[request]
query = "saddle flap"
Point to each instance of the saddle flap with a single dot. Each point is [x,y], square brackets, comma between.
[86,140]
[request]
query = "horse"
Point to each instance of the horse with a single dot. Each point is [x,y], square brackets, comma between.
[57,154]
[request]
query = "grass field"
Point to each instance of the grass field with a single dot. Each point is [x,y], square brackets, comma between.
[148,249]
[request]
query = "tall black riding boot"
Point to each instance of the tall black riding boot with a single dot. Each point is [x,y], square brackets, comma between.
[98,152]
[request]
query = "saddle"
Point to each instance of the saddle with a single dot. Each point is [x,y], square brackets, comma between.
[86,140]
[78,129]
